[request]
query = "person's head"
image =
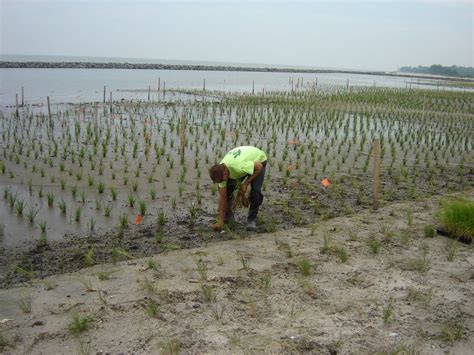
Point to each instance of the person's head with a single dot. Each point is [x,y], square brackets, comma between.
[217,173]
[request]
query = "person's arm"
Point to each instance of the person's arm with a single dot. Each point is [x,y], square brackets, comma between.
[222,205]
[256,171]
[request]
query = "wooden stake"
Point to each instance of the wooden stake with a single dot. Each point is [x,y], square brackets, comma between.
[104,94]
[182,134]
[16,106]
[148,92]
[376,178]
[111,108]
[22,96]
[49,111]
[253,87]
[158,84]
[204,85]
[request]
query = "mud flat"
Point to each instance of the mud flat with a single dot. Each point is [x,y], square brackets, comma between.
[370,282]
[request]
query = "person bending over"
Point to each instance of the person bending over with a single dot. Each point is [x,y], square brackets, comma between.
[245,165]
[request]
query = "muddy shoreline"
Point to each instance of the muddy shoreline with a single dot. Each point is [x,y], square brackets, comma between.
[307,206]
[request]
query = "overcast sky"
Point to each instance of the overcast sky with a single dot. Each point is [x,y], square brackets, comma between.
[336,34]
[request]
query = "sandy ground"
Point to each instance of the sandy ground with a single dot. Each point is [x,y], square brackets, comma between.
[251,295]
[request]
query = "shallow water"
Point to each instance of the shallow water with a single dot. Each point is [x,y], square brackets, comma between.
[86,85]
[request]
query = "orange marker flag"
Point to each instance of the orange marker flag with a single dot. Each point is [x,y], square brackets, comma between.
[325,182]
[138,219]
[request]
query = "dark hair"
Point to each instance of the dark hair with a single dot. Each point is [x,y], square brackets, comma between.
[216,172]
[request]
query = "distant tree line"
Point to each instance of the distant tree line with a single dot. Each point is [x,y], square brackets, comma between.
[437,69]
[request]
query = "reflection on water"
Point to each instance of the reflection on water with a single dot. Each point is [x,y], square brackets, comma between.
[85,85]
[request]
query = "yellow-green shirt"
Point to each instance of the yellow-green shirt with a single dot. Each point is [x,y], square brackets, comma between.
[240,162]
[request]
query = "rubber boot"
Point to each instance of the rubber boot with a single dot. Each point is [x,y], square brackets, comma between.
[256,199]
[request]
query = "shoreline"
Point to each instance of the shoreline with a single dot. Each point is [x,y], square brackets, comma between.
[150,66]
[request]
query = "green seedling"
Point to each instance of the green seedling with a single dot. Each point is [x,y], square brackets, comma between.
[375,245]
[113,193]
[50,199]
[142,207]
[454,330]
[343,254]
[201,268]
[305,266]
[25,302]
[31,213]
[388,313]
[77,214]
[131,200]
[429,232]
[152,309]
[78,324]
[209,294]
[119,254]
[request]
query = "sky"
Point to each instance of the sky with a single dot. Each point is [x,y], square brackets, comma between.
[351,34]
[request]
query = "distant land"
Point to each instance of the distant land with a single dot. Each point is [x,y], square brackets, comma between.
[437,69]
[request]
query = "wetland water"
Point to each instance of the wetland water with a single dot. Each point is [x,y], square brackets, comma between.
[86,85]
[133,153]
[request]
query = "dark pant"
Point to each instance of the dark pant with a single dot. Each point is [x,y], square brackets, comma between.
[256,197]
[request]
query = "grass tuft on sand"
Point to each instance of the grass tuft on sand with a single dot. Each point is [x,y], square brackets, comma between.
[457,217]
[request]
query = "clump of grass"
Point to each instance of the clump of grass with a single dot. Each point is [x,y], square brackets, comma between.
[171,347]
[201,268]
[107,210]
[113,192]
[245,261]
[62,207]
[4,342]
[457,217]
[142,208]
[100,187]
[374,245]
[123,221]
[343,254]
[29,274]
[152,308]
[131,199]
[42,240]
[20,206]
[31,213]
[50,198]
[307,286]
[89,257]
[422,264]
[305,266]
[24,303]
[104,275]
[429,232]
[77,214]
[78,324]
[161,219]
[119,254]
[420,296]
[388,313]
[209,294]
[327,244]
[152,265]
[453,330]
[452,250]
